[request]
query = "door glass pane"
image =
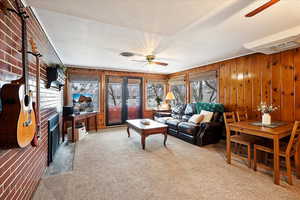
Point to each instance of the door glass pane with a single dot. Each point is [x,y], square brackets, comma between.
[114,100]
[134,98]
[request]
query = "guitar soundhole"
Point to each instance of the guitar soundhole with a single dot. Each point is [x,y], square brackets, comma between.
[26,100]
[9,101]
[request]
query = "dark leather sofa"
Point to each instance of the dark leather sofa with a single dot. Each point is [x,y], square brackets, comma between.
[198,134]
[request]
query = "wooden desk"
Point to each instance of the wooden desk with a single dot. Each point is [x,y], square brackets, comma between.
[274,134]
[146,130]
[73,118]
[161,111]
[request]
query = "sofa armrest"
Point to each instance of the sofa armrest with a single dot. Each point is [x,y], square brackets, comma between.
[211,126]
[209,133]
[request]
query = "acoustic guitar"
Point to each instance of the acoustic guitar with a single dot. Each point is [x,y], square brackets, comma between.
[36,105]
[17,119]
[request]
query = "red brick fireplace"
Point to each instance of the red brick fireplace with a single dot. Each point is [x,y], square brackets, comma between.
[21,169]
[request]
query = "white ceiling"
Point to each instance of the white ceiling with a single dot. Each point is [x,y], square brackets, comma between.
[185,33]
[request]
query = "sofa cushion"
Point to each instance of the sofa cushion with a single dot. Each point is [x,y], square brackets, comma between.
[207,115]
[185,118]
[196,119]
[189,109]
[176,116]
[172,123]
[178,109]
[188,128]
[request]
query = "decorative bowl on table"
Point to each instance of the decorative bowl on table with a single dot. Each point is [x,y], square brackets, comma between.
[145,122]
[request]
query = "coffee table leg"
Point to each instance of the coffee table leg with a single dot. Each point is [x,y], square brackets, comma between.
[128,131]
[143,141]
[166,136]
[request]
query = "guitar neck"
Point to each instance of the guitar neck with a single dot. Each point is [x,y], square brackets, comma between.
[25,55]
[38,89]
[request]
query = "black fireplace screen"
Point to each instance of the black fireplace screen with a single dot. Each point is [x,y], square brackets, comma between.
[53,136]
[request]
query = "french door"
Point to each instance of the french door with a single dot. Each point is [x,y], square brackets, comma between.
[123,99]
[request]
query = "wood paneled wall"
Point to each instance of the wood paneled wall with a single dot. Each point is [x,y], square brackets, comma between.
[249,80]
[102,76]
[246,81]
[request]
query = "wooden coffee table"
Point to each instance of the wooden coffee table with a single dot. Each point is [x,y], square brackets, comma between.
[146,130]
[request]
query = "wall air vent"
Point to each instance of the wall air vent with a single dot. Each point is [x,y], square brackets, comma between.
[278,42]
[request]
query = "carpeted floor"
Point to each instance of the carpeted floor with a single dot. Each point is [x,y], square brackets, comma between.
[110,166]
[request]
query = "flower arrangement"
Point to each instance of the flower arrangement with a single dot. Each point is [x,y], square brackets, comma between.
[265,108]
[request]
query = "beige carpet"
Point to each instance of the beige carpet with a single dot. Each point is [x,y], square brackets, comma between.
[110,166]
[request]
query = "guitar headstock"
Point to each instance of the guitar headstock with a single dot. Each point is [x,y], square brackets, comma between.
[34,50]
[33,46]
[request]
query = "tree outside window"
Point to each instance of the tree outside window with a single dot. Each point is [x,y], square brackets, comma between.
[155,92]
[114,94]
[203,90]
[179,92]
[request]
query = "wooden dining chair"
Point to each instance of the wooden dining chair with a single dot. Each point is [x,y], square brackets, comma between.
[287,150]
[241,139]
[242,116]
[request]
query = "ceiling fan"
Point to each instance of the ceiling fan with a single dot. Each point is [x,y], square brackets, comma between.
[261,8]
[149,59]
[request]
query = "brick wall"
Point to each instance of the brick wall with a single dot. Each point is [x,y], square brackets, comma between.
[21,169]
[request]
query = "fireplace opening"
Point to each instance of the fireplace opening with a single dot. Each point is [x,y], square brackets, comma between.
[53,136]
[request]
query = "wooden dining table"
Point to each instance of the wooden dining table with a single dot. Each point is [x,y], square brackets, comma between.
[275,134]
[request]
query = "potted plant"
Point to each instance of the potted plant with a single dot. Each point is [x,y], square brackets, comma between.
[266,110]
[157,97]
[158,101]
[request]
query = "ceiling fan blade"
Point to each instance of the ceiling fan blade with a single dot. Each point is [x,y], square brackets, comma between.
[130,54]
[160,63]
[139,54]
[143,61]
[261,8]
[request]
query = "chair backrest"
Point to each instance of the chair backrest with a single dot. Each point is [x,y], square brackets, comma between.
[242,116]
[229,117]
[294,139]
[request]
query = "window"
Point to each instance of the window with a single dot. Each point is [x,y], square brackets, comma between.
[177,86]
[155,90]
[203,87]
[179,93]
[85,93]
